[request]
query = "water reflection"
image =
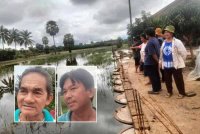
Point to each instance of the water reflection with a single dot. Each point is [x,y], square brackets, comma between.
[71,60]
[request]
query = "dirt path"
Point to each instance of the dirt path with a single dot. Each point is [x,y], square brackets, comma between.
[184,112]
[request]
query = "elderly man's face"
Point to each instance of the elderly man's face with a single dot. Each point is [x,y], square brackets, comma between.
[76,96]
[32,96]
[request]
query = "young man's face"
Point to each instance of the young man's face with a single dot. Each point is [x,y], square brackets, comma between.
[32,96]
[76,96]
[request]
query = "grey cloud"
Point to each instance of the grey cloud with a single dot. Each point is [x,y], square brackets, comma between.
[9,17]
[63,26]
[15,11]
[38,13]
[98,34]
[116,11]
[41,9]
[11,12]
[83,2]
[112,13]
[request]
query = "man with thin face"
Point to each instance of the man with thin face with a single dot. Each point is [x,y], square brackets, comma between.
[33,95]
[78,92]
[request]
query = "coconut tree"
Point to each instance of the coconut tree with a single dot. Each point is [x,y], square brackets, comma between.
[14,37]
[139,25]
[4,35]
[26,38]
[45,40]
[68,42]
[52,29]
[8,85]
[161,22]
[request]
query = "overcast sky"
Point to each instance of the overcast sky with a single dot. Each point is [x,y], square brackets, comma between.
[87,20]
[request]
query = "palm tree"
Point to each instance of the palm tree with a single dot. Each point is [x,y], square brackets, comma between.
[45,40]
[14,37]
[68,42]
[8,85]
[26,38]
[161,22]
[52,29]
[4,35]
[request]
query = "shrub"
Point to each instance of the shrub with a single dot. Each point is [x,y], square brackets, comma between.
[7,55]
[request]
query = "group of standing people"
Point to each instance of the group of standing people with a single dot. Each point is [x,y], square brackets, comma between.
[159,52]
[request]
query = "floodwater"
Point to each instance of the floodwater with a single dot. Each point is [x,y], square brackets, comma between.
[106,124]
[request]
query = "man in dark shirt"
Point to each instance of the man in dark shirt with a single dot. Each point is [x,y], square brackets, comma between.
[152,53]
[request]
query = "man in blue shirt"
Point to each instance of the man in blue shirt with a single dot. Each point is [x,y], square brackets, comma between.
[78,92]
[152,53]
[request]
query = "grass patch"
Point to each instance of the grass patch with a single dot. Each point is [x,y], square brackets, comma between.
[125,46]
[99,58]
[6,70]
[52,57]
[38,62]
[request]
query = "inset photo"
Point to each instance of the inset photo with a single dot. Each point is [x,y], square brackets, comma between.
[77,94]
[34,94]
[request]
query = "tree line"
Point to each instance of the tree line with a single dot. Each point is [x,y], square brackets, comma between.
[184,17]
[24,38]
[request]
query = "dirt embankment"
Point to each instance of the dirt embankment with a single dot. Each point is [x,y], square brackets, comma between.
[185,112]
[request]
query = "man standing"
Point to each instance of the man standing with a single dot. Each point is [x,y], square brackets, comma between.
[144,40]
[152,53]
[173,54]
[136,52]
[160,38]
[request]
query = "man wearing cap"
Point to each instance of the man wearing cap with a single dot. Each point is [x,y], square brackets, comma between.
[172,56]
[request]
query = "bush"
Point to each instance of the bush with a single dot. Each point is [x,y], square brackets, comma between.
[7,55]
